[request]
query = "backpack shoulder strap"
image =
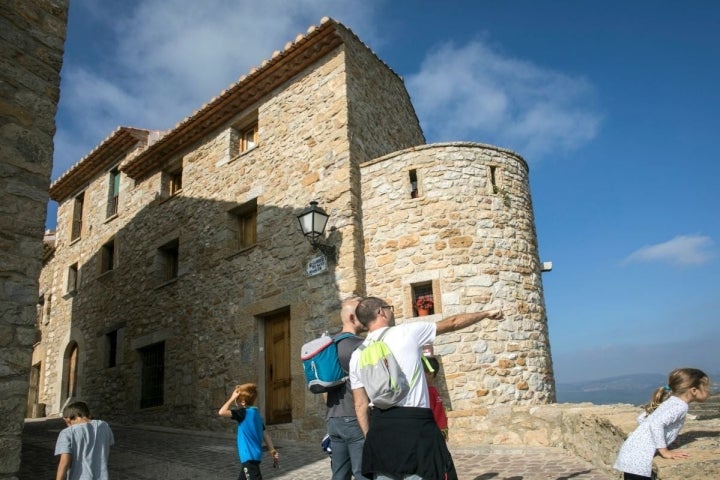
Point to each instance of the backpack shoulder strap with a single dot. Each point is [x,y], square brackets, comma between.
[342,336]
[365,343]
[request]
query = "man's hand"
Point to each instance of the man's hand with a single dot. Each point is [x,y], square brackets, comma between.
[496,314]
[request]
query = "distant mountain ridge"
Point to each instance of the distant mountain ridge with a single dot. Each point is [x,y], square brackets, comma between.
[634,389]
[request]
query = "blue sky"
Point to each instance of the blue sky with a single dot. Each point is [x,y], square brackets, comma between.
[613,104]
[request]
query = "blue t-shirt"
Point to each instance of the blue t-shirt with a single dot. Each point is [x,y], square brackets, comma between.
[89,444]
[249,433]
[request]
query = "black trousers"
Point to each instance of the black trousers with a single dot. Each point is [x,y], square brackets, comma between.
[250,471]
[632,476]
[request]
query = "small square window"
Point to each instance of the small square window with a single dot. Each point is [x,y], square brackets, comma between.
[243,225]
[249,138]
[423,299]
[172,180]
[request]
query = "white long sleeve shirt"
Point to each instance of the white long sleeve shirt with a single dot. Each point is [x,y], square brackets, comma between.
[657,430]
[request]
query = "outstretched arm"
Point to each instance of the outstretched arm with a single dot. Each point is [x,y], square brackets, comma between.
[462,320]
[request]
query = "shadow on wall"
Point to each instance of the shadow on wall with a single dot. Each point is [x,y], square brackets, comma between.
[189,298]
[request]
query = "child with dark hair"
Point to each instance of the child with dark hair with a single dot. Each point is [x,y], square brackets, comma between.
[661,423]
[250,431]
[431,367]
[84,446]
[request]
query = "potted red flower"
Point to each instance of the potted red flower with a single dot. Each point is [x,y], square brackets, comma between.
[424,305]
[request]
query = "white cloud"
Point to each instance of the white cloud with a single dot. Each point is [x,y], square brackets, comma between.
[167,58]
[683,250]
[475,93]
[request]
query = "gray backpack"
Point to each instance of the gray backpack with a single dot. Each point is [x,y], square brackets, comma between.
[380,373]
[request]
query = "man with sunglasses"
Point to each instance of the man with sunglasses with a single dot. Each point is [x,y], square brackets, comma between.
[404,442]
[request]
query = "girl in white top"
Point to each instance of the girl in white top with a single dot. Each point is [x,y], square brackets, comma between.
[661,423]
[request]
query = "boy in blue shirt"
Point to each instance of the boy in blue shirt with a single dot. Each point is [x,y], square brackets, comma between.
[250,431]
[84,446]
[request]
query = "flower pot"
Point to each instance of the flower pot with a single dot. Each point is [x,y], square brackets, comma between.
[423,311]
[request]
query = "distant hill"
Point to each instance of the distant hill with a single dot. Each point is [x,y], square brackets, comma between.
[634,389]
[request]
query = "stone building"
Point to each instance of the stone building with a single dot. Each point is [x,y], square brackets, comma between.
[31,47]
[179,269]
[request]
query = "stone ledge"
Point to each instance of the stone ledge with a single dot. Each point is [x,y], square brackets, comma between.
[595,434]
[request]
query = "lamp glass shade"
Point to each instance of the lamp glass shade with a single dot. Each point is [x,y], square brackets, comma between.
[312,221]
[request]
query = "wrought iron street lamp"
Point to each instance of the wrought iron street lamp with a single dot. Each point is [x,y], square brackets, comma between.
[312,223]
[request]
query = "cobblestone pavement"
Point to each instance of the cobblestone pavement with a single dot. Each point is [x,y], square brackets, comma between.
[155,453]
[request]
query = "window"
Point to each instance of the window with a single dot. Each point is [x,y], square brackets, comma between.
[172,180]
[77,221]
[243,224]
[113,193]
[168,260]
[107,257]
[495,184]
[248,138]
[423,299]
[111,347]
[153,375]
[414,192]
[70,364]
[47,310]
[72,279]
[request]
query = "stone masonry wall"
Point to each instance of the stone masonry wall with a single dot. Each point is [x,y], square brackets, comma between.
[32,36]
[476,246]
[210,317]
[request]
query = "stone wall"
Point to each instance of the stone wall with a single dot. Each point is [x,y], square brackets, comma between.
[31,48]
[595,433]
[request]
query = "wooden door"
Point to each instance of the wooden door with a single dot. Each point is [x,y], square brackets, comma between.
[71,372]
[278,404]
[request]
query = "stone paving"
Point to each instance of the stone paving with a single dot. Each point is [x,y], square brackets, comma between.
[155,453]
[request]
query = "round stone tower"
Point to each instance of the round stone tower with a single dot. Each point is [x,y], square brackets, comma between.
[453,222]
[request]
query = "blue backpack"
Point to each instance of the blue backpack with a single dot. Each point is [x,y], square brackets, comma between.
[321,363]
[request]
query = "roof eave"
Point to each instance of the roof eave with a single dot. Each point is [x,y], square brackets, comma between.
[282,66]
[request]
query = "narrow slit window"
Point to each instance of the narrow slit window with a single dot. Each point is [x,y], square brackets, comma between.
[169,260]
[72,283]
[495,175]
[113,193]
[77,220]
[413,183]
[111,341]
